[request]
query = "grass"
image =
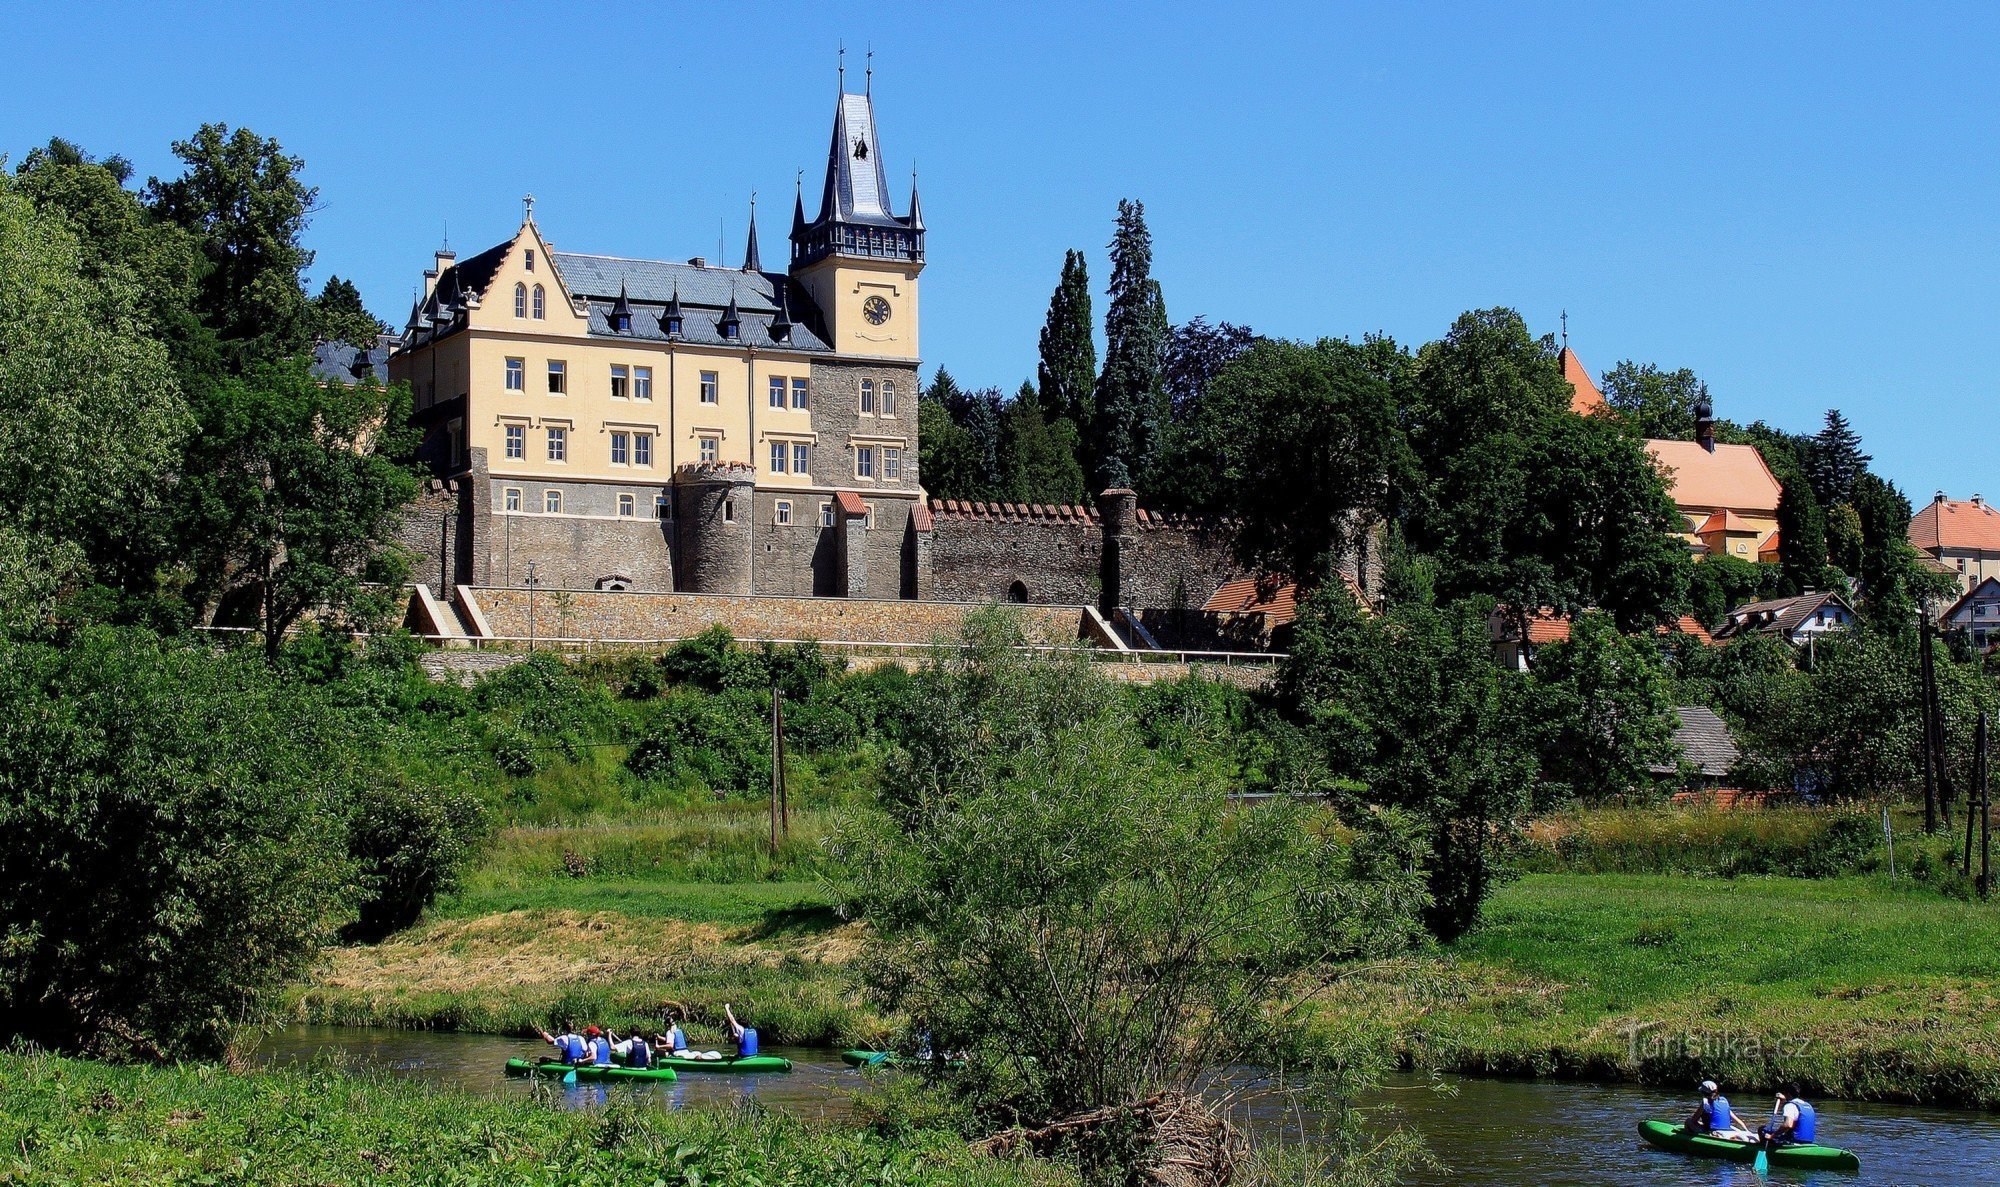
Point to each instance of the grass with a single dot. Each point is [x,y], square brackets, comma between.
[69,1121]
[1857,987]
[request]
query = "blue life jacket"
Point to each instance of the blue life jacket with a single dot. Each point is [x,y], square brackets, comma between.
[600,1052]
[1718,1112]
[676,1039]
[1807,1126]
[642,1053]
[747,1045]
[570,1047]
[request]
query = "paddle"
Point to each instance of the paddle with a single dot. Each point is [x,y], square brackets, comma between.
[1762,1165]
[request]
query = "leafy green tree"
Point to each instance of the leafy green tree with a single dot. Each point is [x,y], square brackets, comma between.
[242,199]
[295,490]
[91,419]
[1604,713]
[1038,457]
[339,315]
[1067,372]
[1835,460]
[1651,401]
[1890,578]
[1844,545]
[1125,429]
[946,458]
[1719,583]
[171,843]
[1196,353]
[1296,444]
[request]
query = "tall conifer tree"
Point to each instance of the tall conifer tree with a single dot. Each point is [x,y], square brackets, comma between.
[1836,460]
[1129,390]
[1068,370]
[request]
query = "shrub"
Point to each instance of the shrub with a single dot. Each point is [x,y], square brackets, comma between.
[408,843]
[718,741]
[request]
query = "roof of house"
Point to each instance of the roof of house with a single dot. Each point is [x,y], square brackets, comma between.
[1546,626]
[1983,591]
[1584,397]
[1275,598]
[1956,523]
[341,362]
[1770,547]
[1734,476]
[1704,739]
[1777,616]
[1724,521]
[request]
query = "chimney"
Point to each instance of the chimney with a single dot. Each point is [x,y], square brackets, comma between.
[445,258]
[697,262]
[1938,497]
[1979,501]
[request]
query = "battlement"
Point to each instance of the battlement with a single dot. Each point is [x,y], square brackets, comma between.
[969,511]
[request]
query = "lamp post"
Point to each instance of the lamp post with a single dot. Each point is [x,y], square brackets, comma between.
[531,581]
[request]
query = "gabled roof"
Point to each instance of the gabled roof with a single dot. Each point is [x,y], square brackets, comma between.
[1985,591]
[1584,397]
[1778,616]
[340,362]
[704,295]
[1273,597]
[1733,477]
[1704,739]
[1958,524]
[1724,521]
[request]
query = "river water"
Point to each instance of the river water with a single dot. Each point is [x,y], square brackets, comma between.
[1514,1133]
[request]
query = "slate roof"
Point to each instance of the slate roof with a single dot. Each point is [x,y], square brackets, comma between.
[1584,397]
[1734,476]
[1777,616]
[339,362]
[1705,740]
[704,294]
[1956,524]
[856,190]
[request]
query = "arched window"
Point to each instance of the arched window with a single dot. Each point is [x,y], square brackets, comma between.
[867,397]
[1017,593]
[541,303]
[520,300]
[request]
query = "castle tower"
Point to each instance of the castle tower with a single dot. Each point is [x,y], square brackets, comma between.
[714,511]
[858,258]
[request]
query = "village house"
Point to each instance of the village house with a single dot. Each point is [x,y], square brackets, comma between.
[1977,614]
[1962,535]
[1796,620]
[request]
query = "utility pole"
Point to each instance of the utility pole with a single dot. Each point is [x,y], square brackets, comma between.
[531,581]
[1924,719]
[780,811]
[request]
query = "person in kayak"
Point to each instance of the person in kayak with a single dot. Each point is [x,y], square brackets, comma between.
[745,1036]
[600,1047]
[635,1051]
[569,1046]
[1793,1123]
[1713,1114]
[675,1041]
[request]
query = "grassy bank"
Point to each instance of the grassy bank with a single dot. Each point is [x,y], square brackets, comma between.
[71,1121]
[1860,988]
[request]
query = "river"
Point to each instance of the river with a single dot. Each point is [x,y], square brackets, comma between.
[1582,1134]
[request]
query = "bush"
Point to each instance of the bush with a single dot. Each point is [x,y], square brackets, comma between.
[172,841]
[719,742]
[408,843]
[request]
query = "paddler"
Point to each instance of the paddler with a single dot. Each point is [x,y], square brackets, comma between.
[635,1051]
[1793,1121]
[569,1046]
[600,1047]
[745,1036]
[1713,1114]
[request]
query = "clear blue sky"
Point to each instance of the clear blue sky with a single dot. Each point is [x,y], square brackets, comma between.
[1798,202]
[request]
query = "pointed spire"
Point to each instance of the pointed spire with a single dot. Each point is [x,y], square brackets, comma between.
[752,262]
[671,318]
[916,219]
[781,323]
[621,312]
[731,324]
[799,204]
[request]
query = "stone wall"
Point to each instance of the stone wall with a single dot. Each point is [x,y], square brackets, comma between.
[589,614]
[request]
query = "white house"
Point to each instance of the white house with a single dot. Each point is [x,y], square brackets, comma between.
[1795,620]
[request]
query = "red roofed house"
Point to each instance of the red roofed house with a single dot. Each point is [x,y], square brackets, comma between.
[1963,535]
[1259,611]
[1511,651]
[1727,493]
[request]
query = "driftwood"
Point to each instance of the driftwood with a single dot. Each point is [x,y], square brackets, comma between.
[1189,1145]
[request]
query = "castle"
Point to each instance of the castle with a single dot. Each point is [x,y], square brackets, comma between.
[598,423]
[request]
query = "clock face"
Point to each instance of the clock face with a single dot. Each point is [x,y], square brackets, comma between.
[876,310]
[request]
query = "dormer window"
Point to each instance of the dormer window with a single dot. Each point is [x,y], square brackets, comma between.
[621,322]
[731,330]
[674,324]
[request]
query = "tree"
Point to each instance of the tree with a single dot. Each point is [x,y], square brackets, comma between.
[1296,445]
[948,459]
[1037,457]
[300,489]
[1125,429]
[1603,711]
[339,316]
[1835,460]
[1653,402]
[1392,700]
[1196,353]
[1802,551]
[242,199]
[91,419]
[171,843]
[1067,372]
[1888,572]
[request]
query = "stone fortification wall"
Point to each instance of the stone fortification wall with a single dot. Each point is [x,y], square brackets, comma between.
[590,614]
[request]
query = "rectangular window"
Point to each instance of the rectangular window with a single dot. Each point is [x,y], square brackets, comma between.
[531,259]
[826,515]
[892,463]
[864,461]
[558,445]
[729,510]
[517,375]
[621,381]
[662,509]
[777,391]
[867,397]
[552,501]
[517,442]
[868,516]
[784,511]
[513,498]
[800,401]
[642,383]
[779,454]
[888,397]
[625,506]
[621,449]
[642,449]
[798,457]
[558,377]
[711,449]
[710,384]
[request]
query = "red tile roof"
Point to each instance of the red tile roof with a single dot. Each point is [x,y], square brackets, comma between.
[850,503]
[1584,398]
[1734,476]
[1546,626]
[1723,521]
[1957,523]
[1274,598]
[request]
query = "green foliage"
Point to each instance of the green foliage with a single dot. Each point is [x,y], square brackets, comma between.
[1834,462]
[1720,583]
[1129,415]
[1653,402]
[1708,843]
[1066,372]
[171,842]
[713,741]
[1038,457]
[409,843]
[951,458]
[1802,538]
[338,315]
[1603,712]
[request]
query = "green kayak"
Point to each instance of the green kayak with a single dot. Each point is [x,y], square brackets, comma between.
[588,1072]
[1677,1139]
[741,1064]
[860,1058]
